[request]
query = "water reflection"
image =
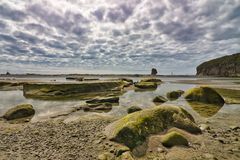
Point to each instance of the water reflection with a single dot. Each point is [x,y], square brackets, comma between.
[205,110]
[47,109]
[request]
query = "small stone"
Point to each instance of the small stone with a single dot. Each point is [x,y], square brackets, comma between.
[234,127]
[210,156]
[204,127]
[174,139]
[160,150]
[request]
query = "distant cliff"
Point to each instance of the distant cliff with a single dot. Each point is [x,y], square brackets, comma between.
[227,66]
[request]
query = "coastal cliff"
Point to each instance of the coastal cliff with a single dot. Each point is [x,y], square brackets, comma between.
[227,66]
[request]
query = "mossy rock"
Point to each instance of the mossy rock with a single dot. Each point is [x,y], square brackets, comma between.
[20,111]
[133,129]
[204,95]
[146,85]
[173,95]
[65,91]
[159,99]
[133,109]
[154,80]
[174,139]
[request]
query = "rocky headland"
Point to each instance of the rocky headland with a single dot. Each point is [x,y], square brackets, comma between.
[227,66]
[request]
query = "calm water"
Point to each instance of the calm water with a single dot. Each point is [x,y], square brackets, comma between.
[45,109]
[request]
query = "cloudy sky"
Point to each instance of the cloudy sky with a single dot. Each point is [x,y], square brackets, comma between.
[115,36]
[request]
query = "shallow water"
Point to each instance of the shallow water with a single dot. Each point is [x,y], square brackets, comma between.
[45,109]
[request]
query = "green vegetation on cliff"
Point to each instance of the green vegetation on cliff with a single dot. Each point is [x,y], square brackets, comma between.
[224,66]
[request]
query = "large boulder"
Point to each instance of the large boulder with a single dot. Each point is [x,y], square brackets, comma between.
[173,95]
[133,129]
[146,85]
[204,95]
[20,111]
[174,139]
[159,99]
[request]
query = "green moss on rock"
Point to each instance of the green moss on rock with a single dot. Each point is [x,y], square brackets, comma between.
[204,95]
[133,129]
[174,139]
[20,111]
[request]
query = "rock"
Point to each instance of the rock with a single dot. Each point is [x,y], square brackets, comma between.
[133,109]
[146,85]
[104,107]
[120,150]
[105,156]
[204,95]
[154,72]
[226,66]
[209,156]
[104,100]
[20,111]
[133,129]
[173,95]
[126,156]
[160,99]
[155,80]
[174,139]
[204,127]
[234,127]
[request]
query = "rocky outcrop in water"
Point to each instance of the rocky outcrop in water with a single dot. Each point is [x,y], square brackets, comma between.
[227,66]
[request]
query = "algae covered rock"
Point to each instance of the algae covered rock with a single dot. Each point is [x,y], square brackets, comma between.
[174,139]
[146,85]
[63,91]
[133,109]
[204,95]
[160,99]
[133,129]
[173,95]
[20,111]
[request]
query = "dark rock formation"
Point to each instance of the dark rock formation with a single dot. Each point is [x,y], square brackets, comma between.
[154,71]
[227,66]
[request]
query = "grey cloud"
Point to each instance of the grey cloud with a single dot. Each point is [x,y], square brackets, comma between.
[120,13]
[68,21]
[8,38]
[99,13]
[55,44]
[26,37]
[12,14]
[118,35]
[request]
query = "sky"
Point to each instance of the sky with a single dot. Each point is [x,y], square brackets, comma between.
[116,36]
